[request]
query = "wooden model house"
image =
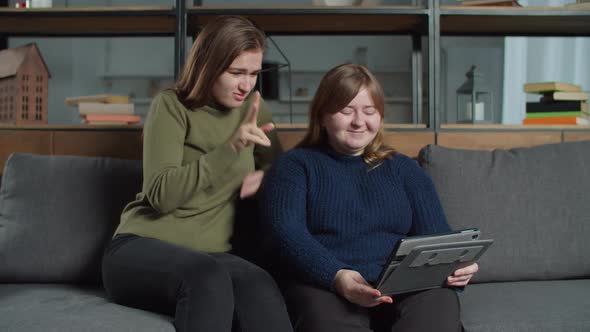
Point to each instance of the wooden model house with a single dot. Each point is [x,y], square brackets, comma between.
[23,86]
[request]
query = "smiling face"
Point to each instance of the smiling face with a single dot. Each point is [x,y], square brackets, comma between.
[236,82]
[355,126]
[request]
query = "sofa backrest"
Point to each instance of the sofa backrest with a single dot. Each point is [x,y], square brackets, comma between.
[58,212]
[534,202]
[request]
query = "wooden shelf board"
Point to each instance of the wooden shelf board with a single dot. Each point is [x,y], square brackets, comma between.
[295,126]
[87,21]
[70,127]
[512,127]
[303,126]
[506,21]
[321,20]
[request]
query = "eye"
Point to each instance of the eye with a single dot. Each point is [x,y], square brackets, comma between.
[347,110]
[370,110]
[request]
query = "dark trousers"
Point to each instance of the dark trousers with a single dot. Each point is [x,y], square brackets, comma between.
[317,310]
[203,292]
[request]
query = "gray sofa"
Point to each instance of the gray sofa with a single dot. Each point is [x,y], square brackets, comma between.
[56,214]
[535,204]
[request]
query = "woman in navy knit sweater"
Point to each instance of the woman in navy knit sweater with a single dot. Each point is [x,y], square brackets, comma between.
[338,203]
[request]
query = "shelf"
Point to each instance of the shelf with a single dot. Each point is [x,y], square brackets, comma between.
[322,20]
[88,21]
[139,127]
[514,21]
[132,76]
[512,127]
[71,127]
[302,126]
[388,100]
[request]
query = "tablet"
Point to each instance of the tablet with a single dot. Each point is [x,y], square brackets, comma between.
[428,265]
[404,246]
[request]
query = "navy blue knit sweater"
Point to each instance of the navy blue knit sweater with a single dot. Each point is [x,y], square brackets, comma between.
[327,211]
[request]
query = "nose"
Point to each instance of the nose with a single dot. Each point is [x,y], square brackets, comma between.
[357,119]
[246,83]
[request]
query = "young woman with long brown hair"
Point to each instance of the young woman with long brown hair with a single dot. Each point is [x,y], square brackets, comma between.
[207,143]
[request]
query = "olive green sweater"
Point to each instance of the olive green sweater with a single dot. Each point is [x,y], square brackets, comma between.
[191,175]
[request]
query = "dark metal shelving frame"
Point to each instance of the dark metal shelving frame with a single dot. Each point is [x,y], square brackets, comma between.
[431,21]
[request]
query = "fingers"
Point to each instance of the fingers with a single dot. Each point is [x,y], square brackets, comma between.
[251,184]
[252,114]
[367,296]
[461,277]
[458,281]
[246,136]
[384,299]
[257,136]
[267,127]
[468,270]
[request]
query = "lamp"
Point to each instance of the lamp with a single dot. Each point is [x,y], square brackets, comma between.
[474,99]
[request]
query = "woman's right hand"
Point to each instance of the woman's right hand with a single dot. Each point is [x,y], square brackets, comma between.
[249,133]
[352,286]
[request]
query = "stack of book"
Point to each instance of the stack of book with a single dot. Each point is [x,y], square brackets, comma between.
[489,2]
[560,103]
[105,109]
[582,4]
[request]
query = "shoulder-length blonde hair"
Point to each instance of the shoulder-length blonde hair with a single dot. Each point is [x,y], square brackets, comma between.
[219,43]
[337,89]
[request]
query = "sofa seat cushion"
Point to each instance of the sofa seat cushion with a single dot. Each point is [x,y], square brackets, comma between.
[63,308]
[560,305]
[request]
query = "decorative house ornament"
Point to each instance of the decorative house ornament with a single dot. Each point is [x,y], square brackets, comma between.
[23,86]
[474,99]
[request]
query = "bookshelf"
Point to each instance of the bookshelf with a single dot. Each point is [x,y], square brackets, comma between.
[514,21]
[86,22]
[428,22]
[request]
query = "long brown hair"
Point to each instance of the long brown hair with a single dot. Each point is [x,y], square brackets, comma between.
[337,89]
[219,43]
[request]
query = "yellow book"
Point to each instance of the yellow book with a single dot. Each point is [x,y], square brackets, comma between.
[546,87]
[102,98]
[561,95]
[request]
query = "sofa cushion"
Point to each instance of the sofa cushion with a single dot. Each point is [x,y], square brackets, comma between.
[532,201]
[58,212]
[61,308]
[539,306]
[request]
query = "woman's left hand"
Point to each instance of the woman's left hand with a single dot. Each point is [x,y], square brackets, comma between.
[462,276]
[251,183]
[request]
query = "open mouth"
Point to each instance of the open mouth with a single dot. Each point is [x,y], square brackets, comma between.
[239,97]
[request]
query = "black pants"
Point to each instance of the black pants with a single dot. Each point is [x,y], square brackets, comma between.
[203,292]
[317,310]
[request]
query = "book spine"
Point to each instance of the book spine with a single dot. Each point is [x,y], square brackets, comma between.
[556,106]
[551,114]
[113,117]
[552,120]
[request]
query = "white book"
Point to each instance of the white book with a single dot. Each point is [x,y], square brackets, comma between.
[102,108]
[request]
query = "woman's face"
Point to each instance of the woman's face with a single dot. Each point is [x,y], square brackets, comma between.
[354,127]
[236,82]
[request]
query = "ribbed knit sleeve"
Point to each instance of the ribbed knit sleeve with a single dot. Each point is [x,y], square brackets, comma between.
[284,209]
[428,216]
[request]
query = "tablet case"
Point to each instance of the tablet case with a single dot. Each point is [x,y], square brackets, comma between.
[428,266]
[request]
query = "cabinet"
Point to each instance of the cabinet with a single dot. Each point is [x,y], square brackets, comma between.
[425,24]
